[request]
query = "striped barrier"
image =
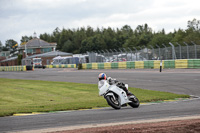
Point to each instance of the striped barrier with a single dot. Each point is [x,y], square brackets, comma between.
[139,64]
[100,65]
[12,68]
[107,65]
[61,66]
[193,63]
[152,64]
[181,63]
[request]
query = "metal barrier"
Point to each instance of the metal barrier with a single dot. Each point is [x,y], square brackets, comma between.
[12,68]
[61,66]
[151,64]
[172,52]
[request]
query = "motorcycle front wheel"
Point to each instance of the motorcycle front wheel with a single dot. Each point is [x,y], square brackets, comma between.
[113,102]
[135,102]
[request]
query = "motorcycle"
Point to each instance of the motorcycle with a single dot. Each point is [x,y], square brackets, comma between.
[115,96]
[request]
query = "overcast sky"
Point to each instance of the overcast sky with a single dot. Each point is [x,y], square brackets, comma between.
[22,17]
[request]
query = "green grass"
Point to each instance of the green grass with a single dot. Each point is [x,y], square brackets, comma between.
[25,96]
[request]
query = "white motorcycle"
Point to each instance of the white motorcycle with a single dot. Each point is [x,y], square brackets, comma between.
[115,96]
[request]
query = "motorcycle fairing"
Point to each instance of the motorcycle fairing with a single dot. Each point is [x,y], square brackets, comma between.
[120,92]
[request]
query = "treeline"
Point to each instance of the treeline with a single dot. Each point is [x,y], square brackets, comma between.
[83,39]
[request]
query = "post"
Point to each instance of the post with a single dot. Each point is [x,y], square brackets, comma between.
[135,52]
[141,51]
[160,65]
[126,54]
[117,54]
[173,51]
[158,50]
[179,48]
[121,53]
[187,50]
[152,50]
[131,53]
[112,54]
[147,53]
[165,50]
[26,51]
[195,49]
[104,54]
[108,54]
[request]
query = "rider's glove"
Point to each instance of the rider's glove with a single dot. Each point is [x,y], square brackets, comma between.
[109,79]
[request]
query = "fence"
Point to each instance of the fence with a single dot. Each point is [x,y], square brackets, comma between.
[172,52]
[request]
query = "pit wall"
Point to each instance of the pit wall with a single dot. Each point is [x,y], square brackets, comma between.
[12,68]
[62,66]
[153,64]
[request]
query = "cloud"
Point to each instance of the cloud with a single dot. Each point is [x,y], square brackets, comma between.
[23,17]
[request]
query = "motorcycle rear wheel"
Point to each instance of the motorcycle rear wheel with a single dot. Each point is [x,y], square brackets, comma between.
[135,102]
[113,103]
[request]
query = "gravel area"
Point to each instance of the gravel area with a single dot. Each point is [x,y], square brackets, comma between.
[177,126]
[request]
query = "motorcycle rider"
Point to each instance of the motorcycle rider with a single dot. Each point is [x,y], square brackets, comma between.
[111,81]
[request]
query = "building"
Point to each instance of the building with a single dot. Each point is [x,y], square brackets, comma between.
[12,61]
[36,46]
[47,58]
[4,54]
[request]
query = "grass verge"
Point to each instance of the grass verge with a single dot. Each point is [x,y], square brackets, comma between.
[25,96]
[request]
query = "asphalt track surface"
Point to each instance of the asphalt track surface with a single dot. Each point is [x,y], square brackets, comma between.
[182,81]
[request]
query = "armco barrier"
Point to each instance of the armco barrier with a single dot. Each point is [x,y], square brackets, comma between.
[157,64]
[193,63]
[61,66]
[100,65]
[94,65]
[12,68]
[169,64]
[115,65]
[107,65]
[130,64]
[149,64]
[152,64]
[139,64]
[181,63]
[122,65]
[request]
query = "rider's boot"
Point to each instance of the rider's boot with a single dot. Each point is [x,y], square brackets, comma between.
[124,105]
[130,95]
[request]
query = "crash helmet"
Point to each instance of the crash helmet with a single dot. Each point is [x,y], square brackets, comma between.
[102,76]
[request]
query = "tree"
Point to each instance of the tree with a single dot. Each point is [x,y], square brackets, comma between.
[159,39]
[93,43]
[127,31]
[19,59]
[131,42]
[25,39]
[84,39]
[1,46]
[11,45]
[179,36]
[191,35]
[109,37]
[68,46]
[144,35]
[45,37]
[89,31]
[194,24]
[78,37]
